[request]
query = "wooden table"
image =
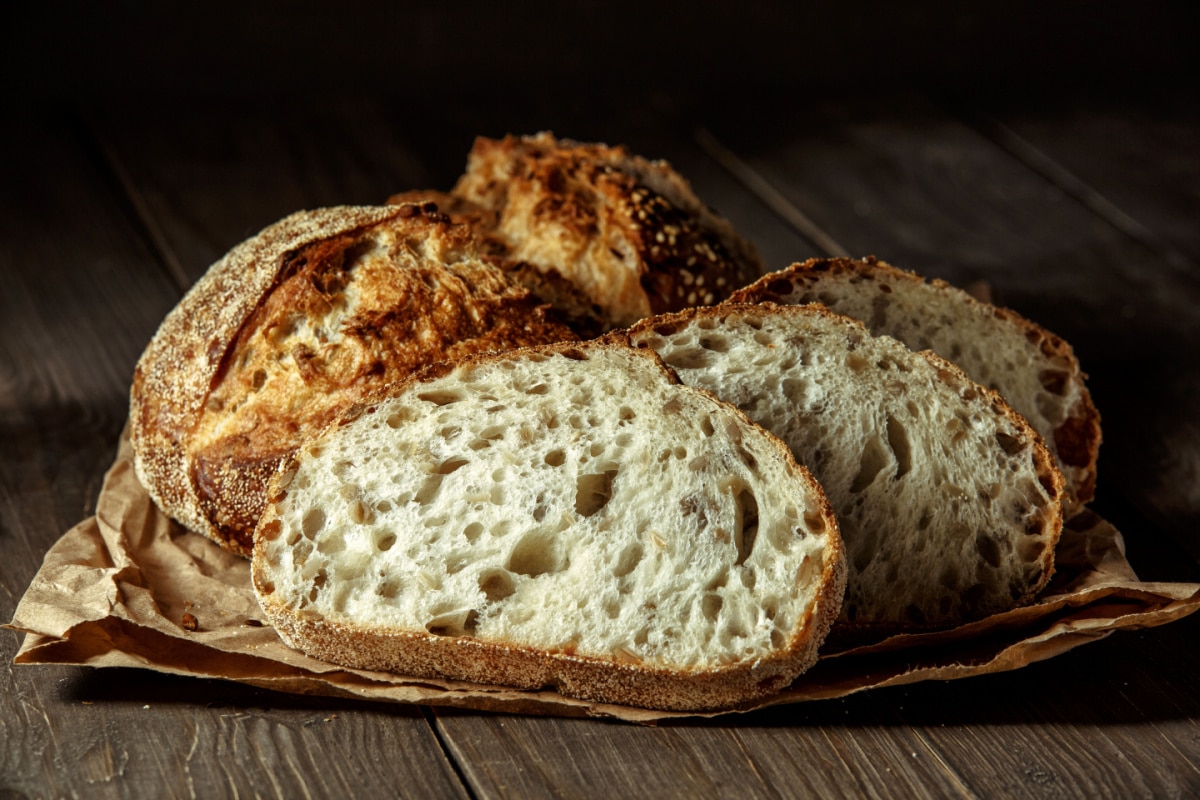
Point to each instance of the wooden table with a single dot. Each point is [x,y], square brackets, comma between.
[1080,212]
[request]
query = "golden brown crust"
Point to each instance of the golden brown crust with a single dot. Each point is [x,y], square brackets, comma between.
[616,680]
[629,233]
[293,326]
[1076,441]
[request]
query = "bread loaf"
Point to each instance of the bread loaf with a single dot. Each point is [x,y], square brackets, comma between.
[628,233]
[565,516]
[949,504]
[291,328]
[1034,370]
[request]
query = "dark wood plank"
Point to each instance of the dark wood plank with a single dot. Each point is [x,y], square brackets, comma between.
[203,178]
[1131,157]
[898,178]
[83,292]
[797,754]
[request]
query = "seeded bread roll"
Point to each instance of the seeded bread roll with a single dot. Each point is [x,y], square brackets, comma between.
[949,503]
[565,516]
[1035,371]
[629,233]
[294,326]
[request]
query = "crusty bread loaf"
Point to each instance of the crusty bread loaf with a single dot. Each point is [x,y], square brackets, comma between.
[629,233]
[949,504]
[564,516]
[291,328]
[1034,370]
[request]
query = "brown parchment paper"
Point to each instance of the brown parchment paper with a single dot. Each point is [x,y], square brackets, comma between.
[114,591]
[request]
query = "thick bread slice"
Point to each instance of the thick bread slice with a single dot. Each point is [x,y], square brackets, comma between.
[564,516]
[292,327]
[1034,370]
[948,501]
[629,233]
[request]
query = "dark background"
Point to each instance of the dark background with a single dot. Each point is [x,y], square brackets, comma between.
[447,53]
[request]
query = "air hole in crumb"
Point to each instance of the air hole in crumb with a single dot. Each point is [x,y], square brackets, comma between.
[706,426]
[496,585]
[989,549]
[897,437]
[718,344]
[539,389]
[472,531]
[872,460]
[689,358]
[626,413]
[710,606]
[535,555]
[386,541]
[630,557]
[440,398]
[429,489]
[1009,444]
[260,378]
[388,589]
[745,529]
[593,491]
[555,458]
[313,522]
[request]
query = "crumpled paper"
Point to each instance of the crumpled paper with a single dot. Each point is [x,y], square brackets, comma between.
[126,587]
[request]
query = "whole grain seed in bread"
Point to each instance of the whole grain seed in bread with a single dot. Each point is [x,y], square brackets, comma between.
[949,503]
[292,327]
[565,516]
[629,233]
[1035,371]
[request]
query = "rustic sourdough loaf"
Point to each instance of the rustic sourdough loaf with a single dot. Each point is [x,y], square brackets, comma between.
[564,516]
[292,327]
[948,502]
[1034,370]
[628,233]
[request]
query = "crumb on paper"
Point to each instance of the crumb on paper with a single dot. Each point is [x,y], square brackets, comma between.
[189,622]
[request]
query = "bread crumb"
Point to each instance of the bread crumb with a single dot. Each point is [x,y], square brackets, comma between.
[189,622]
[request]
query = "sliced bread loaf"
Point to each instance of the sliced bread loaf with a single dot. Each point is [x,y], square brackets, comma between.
[948,502]
[560,516]
[1035,371]
[291,328]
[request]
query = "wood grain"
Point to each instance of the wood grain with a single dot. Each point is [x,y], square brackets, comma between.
[1131,158]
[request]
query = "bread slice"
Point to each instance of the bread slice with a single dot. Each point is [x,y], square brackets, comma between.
[294,326]
[949,504]
[562,516]
[1035,371]
[629,233]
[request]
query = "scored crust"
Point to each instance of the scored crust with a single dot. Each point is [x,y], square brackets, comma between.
[629,233]
[1074,439]
[616,680]
[293,326]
